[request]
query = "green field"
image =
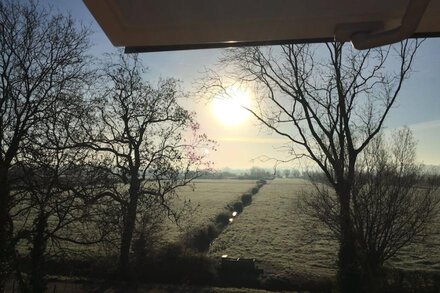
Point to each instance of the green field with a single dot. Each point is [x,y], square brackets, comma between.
[209,197]
[271,231]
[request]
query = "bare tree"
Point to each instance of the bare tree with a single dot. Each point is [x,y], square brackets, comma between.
[42,56]
[394,204]
[59,186]
[329,101]
[151,144]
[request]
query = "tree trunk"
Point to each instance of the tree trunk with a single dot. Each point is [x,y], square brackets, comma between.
[373,274]
[37,254]
[5,229]
[348,269]
[128,227]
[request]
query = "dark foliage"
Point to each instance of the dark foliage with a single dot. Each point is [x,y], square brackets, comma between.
[222,219]
[237,207]
[246,199]
[175,264]
[255,190]
[199,239]
[297,283]
[400,281]
[261,182]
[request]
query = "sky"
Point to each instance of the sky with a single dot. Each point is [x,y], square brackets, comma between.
[243,145]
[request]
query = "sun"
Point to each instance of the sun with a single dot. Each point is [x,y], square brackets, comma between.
[228,107]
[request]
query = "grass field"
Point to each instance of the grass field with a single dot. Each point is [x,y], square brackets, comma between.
[421,257]
[209,198]
[271,231]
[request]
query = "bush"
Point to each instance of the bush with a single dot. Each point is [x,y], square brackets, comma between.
[261,182]
[196,269]
[403,281]
[174,264]
[200,239]
[246,199]
[222,219]
[237,207]
[185,267]
[170,251]
[89,267]
[254,190]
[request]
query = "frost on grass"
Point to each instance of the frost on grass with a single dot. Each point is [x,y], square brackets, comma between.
[208,199]
[274,231]
[269,230]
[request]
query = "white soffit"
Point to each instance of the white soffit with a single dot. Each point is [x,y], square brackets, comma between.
[157,25]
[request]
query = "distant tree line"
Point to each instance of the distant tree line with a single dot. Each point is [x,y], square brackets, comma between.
[255,173]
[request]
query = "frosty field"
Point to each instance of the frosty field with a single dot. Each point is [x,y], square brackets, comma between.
[209,198]
[270,231]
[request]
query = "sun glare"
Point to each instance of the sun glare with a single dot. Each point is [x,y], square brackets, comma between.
[228,107]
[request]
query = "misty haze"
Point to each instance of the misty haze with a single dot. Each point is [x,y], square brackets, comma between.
[294,168]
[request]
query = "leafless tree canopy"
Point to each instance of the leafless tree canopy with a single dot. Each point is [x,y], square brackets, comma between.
[54,190]
[330,101]
[86,150]
[42,58]
[394,202]
[148,142]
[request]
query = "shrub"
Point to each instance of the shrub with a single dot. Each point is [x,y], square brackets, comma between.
[405,281]
[200,239]
[254,190]
[89,267]
[222,219]
[237,207]
[261,182]
[198,269]
[174,264]
[246,199]
[186,267]
[170,251]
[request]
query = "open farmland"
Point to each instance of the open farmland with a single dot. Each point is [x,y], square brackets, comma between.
[421,257]
[271,231]
[209,198]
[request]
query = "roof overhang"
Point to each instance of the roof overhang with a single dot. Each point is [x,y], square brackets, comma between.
[161,25]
